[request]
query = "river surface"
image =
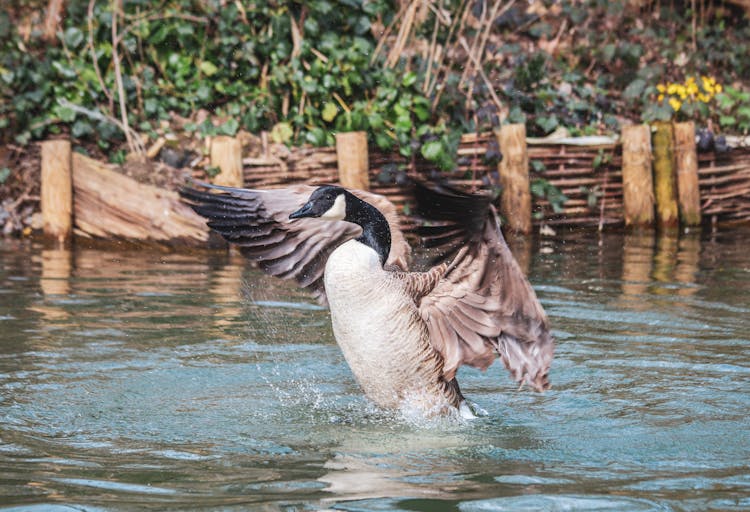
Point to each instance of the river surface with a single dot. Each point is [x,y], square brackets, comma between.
[137,379]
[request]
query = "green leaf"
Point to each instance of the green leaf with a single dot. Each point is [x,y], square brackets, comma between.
[4,174]
[230,127]
[548,124]
[151,106]
[316,137]
[608,52]
[432,150]
[375,120]
[64,70]
[73,37]
[282,133]
[634,89]
[727,120]
[422,112]
[538,166]
[538,187]
[403,123]
[383,141]
[409,79]
[208,68]
[80,128]
[329,112]
[598,160]
[65,113]
[725,101]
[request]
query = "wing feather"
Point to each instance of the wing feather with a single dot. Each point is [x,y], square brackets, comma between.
[257,221]
[483,306]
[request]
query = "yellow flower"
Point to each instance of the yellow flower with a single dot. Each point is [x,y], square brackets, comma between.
[675,104]
[672,88]
[718,88]
[661,88]
[661,97]
[705,98]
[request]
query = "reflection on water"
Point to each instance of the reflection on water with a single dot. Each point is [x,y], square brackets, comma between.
[137,379]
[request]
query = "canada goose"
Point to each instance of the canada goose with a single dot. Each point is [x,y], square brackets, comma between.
[404,334]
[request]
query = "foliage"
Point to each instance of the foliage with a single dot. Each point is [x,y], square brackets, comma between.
[734,109]
[294,69]
[542,188]
[304,70]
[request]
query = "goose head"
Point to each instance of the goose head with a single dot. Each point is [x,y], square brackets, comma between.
[334,203]
[327,202]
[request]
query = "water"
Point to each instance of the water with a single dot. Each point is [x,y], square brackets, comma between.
[134,379]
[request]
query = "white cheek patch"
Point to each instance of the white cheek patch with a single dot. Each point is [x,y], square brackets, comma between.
[337,211]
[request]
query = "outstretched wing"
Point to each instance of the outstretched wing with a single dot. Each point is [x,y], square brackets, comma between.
[257,221]
[483,305]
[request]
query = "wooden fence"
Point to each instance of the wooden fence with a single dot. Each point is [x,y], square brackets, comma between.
[589,174]
[596,178]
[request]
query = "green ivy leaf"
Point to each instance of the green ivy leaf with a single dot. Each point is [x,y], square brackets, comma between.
[64,70]
[65,113]
[403,123]
[634,89]
[432,150]
[548,124]
[538,166]
[282,133]
[409,79]
[73,37]
[4,174]
[538,187]
[329,112]
[208,68]
[230,127]
[727,120]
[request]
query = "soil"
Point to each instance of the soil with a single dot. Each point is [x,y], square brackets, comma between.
[20,191]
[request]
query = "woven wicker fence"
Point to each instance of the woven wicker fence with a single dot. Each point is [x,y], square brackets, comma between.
[590,176]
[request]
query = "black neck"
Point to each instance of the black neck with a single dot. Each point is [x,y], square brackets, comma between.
[375,230]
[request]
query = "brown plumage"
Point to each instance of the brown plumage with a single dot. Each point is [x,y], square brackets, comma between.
[402,333]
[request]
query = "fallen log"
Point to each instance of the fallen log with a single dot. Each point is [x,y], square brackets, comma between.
[108,204]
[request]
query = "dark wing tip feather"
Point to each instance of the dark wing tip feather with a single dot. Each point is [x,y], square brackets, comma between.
[450,217]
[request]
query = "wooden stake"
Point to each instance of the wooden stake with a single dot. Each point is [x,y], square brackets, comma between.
[637,266]
[354,167]
[515,202]
[686,163]
[637,183]
[665,186]
[226,154]
[55,11]
[57,190]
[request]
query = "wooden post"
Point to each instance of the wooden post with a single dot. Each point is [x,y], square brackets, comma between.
[637,266]
[686,163]
[354,166]
[665,186]
[57,190]
[637,183]
[57,266]
[55,11]
[226,154]
[515,202]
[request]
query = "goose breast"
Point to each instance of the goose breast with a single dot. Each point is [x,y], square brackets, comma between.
[380,332]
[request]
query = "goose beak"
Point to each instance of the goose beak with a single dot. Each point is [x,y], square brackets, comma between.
[305,211]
